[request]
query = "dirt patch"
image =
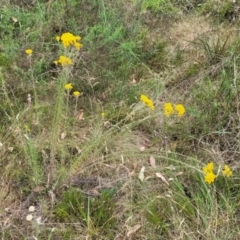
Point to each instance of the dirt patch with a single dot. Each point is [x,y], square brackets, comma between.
[194,34]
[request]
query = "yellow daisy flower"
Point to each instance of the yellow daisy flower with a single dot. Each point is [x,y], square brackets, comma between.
[210,177]
[168,109]
[147,101]
[68,86]
[76,94]
[64,61]
[180,110]
[227,171]
[208,168]
[69,39]
[29,51]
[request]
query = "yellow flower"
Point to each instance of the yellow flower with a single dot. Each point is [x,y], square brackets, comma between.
[78,38]
[209,174]
[227,171]
[168,109]
[210,177]
[69,39]
[147,101]
[27,128]
[68,86]
[76,94]
[208,168]
[64,61]
[180,110]
[29,51]
[77,45]
[103,114]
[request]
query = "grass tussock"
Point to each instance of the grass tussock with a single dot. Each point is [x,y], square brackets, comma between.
[119,120]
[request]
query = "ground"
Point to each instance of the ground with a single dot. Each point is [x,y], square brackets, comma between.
[119,119]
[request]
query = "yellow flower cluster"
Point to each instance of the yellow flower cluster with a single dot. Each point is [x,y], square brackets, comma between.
[29,51]
[208,168]
[169,109]
[180,110]
[69,86]
[209,176]
[27,128]
[76,94]
[147,101]
[64,61]
[227,171]
[69,39]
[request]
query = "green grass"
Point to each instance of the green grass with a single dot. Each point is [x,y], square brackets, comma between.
[77,160]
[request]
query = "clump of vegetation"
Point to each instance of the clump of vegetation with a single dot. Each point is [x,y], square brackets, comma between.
[221,10]
[163,6]
[96,214]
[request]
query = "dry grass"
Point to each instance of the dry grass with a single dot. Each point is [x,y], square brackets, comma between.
[133,173]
